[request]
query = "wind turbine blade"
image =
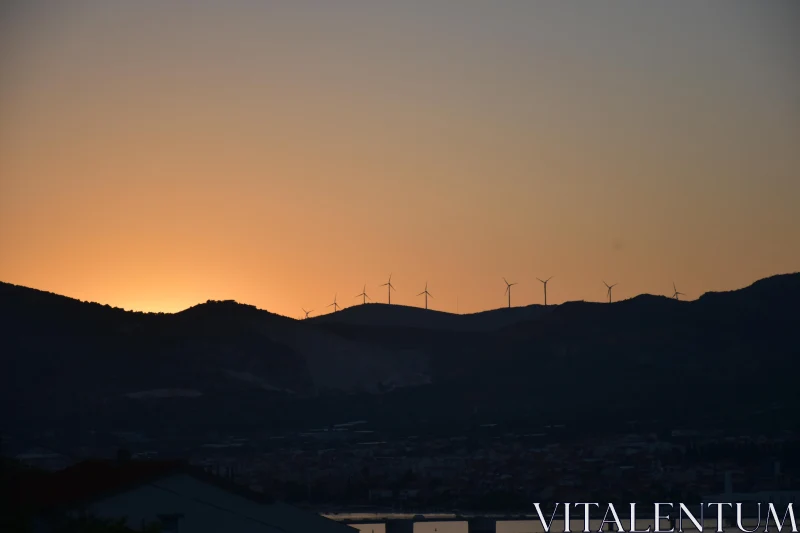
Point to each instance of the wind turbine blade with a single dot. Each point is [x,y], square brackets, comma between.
[548,279]
[431,295]
[420,294]
[506,282]
[541,280]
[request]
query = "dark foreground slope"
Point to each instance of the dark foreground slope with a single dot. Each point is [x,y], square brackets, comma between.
[725,355]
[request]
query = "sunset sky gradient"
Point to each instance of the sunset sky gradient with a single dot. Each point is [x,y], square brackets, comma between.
[156,154]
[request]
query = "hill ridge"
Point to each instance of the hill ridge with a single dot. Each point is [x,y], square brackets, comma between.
[793,279]
[62,359]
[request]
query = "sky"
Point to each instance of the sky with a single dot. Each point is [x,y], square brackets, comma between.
[154,155]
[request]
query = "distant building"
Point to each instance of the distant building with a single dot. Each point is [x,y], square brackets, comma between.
[180,498]
[780,498]
[43,458]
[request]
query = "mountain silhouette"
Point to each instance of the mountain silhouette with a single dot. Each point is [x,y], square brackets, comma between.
[728,355]
[385,315]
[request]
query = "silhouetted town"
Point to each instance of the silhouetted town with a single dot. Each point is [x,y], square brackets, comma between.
[351,467]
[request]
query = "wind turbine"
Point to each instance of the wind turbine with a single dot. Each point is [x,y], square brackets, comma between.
[676,293]
[389,287]
[307,312]
[426,293]
[609,289]
[334,304]
[508,291]
[544,282]
[363,294]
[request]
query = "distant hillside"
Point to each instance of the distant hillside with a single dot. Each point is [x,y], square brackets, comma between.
[224,362]
[384,315]
[61,356]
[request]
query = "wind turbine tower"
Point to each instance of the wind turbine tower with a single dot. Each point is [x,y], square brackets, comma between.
[544,282]
[389,288]
[363,294]
[676,293]
[609,287]
[334,304]
[426,293]
[508,291]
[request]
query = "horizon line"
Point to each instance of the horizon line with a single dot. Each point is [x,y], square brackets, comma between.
[603,302]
